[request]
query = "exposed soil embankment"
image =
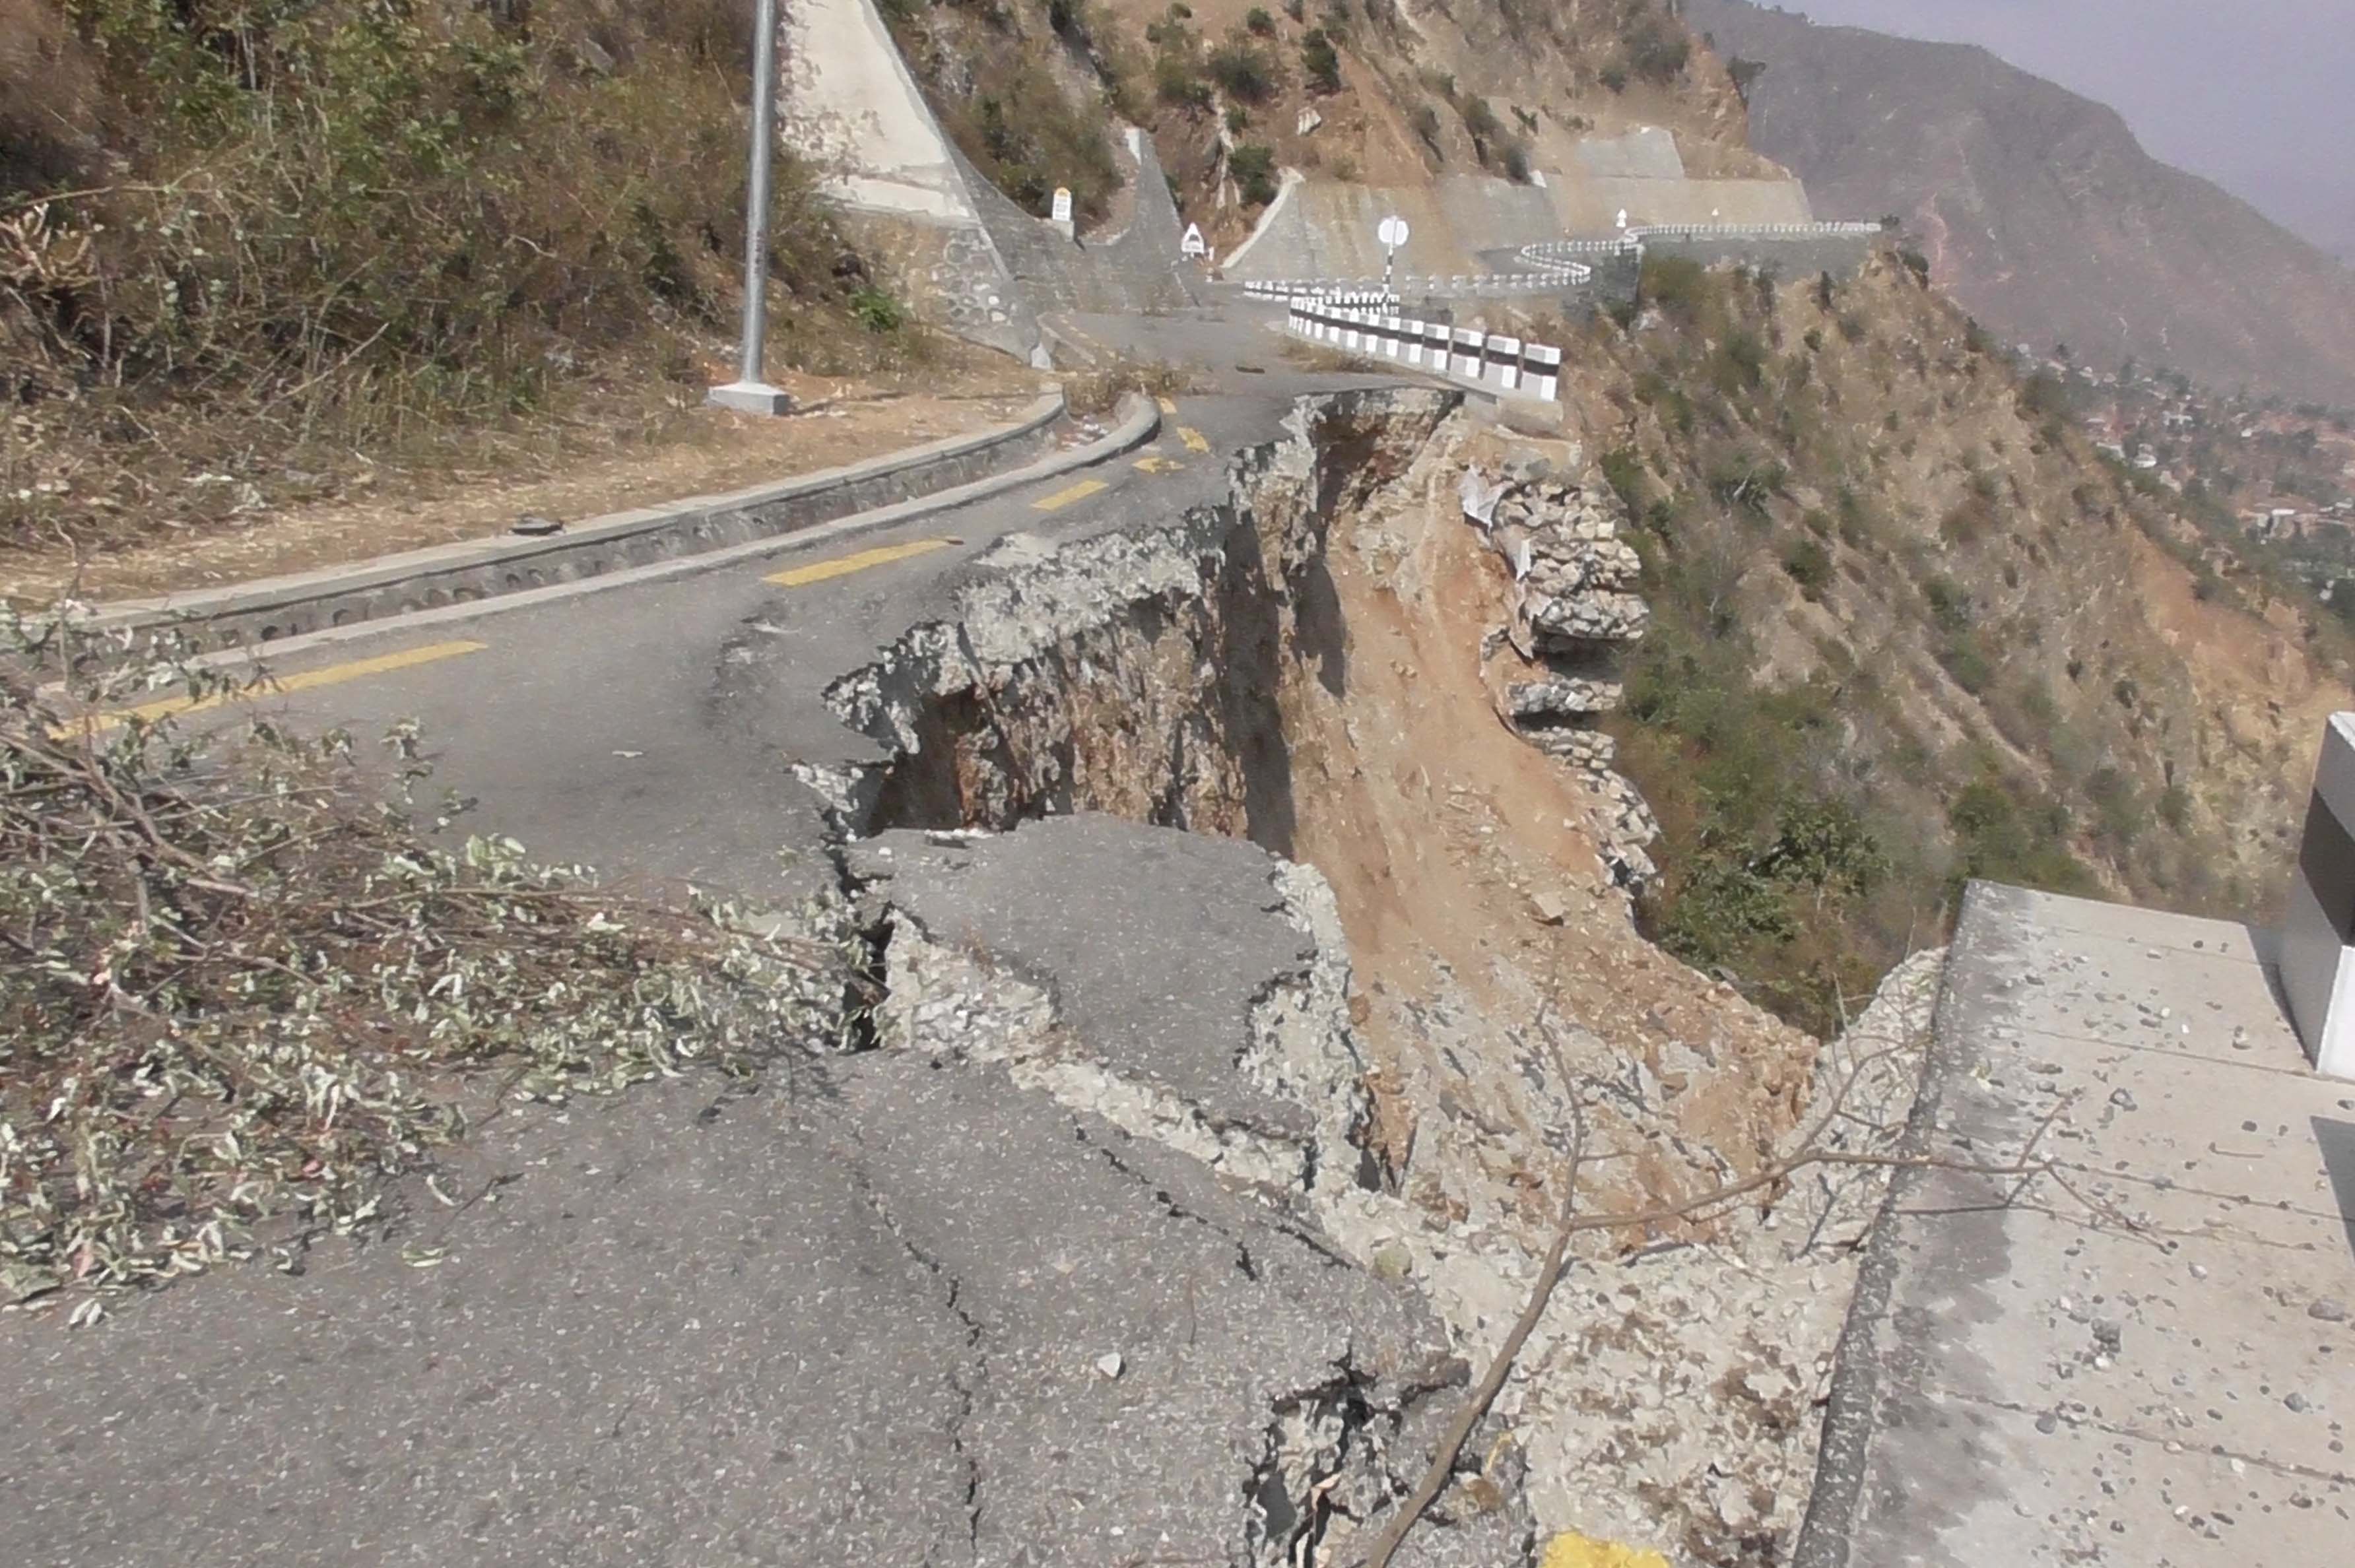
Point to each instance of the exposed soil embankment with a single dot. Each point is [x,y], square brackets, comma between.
[1345,667]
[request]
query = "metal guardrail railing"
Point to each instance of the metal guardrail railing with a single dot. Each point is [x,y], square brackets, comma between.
[1552,265]
[1495,359]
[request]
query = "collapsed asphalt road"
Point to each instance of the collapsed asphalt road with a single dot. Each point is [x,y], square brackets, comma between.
[881,1307]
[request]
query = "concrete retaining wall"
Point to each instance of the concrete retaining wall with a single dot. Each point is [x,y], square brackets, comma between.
[1792,255]
[852,107]
[1137,272]
[274,608]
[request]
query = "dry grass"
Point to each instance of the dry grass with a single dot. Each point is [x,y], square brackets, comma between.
[1098,390]
[338,237]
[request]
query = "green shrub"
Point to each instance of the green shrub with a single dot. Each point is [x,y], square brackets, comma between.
[1027,138]
[1656,51]
[1623,470]
[1739,363]
[1480,121]
[1677,284]
[1177,81]
[1809,565]
[1744,479]
[1320,61]
[1253,168]
[1950,604]
[358,219]
[1259,22]
[2011,834]
[877,311]
[1243,70]
[1963,660]
[1424,120]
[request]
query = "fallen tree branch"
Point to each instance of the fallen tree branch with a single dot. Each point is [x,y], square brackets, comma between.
[1810,1152]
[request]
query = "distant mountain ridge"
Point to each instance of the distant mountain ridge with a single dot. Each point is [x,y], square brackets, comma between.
[2040,211]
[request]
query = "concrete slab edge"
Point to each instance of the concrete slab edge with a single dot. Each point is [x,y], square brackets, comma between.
[480,569]
[1140,422]
[1849,1411]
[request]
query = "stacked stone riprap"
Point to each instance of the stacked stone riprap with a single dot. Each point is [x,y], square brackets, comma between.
[1574,610]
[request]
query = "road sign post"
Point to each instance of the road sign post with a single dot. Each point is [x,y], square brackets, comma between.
[749,393]
[1392,232]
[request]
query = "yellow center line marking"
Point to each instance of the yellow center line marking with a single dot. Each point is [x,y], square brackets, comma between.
[1192,438]
[1168,405]
[1061,499]
[1158,465]
[842,566]
[269,686]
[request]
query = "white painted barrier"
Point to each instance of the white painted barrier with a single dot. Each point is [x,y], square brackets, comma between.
[1504,355]
[1469,361]
[1543,364]
[2318,939]
[1507,364]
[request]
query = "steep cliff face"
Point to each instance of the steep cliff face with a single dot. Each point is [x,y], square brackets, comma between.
[1346,663]
[1909,628]
[2039,210]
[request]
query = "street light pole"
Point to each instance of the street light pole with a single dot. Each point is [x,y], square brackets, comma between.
[750,393]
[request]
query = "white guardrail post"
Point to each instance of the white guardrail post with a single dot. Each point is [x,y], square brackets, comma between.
[1504,355]
[1467,353]
[1543,362]
[2318,939]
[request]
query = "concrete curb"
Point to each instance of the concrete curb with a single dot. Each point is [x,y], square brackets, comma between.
[1140,422]
[272,609]
[1850,1408]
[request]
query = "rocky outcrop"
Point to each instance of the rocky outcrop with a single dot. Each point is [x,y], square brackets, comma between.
[1573,611]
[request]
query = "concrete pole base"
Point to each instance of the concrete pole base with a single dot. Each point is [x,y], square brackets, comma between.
[751,398]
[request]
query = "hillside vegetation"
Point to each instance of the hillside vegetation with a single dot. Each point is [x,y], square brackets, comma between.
[1031,89]
[1911,630]
[238,239]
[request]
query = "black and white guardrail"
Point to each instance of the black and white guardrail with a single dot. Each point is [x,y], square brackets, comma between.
[1549,278]
[1493,359]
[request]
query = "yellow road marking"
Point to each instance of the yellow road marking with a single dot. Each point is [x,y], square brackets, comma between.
[1159,465]
[271,685]
[1168,405]
[1061,499]
[1193,439]
[842,566]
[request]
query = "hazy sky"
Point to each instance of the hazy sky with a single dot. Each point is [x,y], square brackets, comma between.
[2258,95]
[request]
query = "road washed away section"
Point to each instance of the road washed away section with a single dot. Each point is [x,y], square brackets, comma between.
[1276,836]
[1241,897]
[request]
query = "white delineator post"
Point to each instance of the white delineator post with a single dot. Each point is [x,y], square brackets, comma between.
[2318,939]
[749,393]
[1505,356]
[1544,366]
[1470,351]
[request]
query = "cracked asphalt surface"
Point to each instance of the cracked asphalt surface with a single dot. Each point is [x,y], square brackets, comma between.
[849,1313]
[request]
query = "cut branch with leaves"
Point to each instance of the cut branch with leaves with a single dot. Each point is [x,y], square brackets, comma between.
[241,985]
